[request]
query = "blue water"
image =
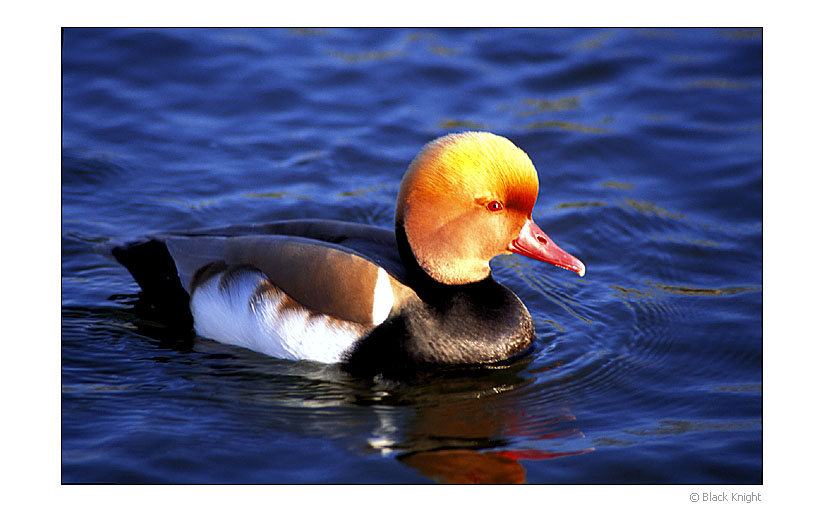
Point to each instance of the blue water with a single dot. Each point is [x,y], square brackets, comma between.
[648,145]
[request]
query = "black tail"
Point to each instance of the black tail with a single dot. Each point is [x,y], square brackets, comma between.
[152,266]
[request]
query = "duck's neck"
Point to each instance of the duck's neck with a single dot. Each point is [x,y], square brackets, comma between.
[407,257]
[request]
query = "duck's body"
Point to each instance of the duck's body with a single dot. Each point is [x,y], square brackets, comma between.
[375,300]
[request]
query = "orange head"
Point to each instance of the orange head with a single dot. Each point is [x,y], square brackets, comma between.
[466,198]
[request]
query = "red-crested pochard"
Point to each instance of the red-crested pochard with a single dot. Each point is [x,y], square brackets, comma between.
[364,296]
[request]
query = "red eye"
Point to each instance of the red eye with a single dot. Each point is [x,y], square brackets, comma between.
[494,206]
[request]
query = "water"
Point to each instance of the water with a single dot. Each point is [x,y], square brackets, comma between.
[648,145]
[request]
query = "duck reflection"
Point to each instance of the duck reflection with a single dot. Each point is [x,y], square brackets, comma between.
[466,467]
[476,426]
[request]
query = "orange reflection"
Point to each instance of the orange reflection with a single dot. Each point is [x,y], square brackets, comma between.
[466,467]
[463,466]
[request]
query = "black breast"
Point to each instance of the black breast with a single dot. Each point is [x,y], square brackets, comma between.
[477,323]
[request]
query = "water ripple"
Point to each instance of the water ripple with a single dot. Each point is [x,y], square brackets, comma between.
[648,147]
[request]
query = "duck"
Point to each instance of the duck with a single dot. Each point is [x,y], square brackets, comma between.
[375,300]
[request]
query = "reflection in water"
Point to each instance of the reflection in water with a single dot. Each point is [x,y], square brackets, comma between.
[475,426]
[466,467]
[566,126]
[541,105]
[596,41]
[580,205]
[619,185]
[671,427]
[692,290]
[718,83]
[650,208]
[454,124]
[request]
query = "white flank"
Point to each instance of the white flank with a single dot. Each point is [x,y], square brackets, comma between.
[232,316]
[383,299]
